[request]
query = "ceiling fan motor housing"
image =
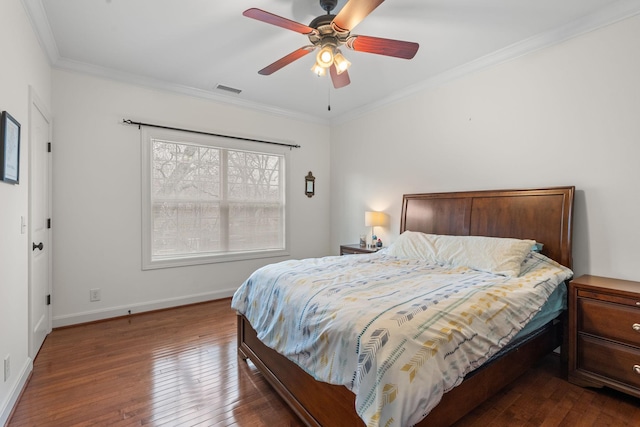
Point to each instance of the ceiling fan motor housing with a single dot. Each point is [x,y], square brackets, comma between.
[325,33]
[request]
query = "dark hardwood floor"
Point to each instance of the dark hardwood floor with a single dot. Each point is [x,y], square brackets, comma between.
[179,367]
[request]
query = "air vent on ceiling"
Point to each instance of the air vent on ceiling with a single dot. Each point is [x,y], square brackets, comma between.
[229,89]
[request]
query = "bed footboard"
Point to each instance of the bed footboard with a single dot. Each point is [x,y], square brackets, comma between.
[316,403]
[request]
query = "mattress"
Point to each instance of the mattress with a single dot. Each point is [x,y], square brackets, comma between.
[552,308]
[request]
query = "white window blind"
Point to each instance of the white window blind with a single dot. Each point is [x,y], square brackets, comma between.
[208,200]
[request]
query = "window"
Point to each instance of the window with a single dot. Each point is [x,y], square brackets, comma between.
[209,199]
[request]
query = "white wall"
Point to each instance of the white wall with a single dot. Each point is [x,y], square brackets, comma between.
[97,206]
[566,115]
[23,65]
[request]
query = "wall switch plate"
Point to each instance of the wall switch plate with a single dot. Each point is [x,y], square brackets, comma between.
[7,368]
[94,294]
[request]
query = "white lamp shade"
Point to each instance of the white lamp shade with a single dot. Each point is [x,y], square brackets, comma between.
[374,219]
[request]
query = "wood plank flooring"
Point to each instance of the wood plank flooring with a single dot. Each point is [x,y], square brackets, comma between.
[179,367]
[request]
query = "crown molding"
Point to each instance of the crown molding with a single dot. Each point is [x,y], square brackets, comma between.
[619,11]
[137,80]
[38,18]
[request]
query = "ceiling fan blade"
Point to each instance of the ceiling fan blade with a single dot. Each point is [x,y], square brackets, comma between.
[380,46]
[286,60]
[353,13]
[272,19]
[339,80]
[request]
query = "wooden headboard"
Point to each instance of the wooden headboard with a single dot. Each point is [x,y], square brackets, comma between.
[543,215]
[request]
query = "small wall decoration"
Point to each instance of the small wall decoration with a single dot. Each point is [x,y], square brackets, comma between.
[9,149]
[309,184]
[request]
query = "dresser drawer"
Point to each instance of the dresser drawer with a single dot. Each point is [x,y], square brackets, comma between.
[613,361]
[609,297]
[612,321]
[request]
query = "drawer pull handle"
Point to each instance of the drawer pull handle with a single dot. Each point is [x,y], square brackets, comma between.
[636,327]
[636,369]
[638,303]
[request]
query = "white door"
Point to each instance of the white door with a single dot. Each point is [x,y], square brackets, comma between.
[39,230]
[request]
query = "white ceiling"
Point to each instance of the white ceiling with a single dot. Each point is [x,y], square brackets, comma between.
[191,46]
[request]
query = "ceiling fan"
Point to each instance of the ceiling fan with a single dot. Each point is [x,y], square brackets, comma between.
[330,32]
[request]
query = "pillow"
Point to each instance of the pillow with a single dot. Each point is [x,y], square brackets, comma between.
[491,254]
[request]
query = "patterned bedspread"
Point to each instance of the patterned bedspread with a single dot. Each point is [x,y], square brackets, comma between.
[397,332]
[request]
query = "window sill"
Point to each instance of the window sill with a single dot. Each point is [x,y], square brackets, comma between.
[183,261]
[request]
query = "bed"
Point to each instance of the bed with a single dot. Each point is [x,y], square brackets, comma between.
[543,215]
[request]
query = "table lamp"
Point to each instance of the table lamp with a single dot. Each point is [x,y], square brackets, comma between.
[374,219]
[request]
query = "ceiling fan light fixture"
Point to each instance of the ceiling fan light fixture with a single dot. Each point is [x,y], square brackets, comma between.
[342,63]
[319,70]
[325,56]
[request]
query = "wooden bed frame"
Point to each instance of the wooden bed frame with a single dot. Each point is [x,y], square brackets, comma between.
[544,215]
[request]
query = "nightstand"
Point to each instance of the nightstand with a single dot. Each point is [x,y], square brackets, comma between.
[356,249]
[604,333]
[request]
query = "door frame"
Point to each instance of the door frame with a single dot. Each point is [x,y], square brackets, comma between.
[35,103]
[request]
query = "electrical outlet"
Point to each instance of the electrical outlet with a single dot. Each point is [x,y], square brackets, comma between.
[94,295]
[7,367]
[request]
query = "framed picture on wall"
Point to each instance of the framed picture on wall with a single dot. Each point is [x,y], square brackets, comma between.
[9,149]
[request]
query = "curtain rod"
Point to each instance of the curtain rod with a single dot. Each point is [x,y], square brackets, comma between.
[139,124]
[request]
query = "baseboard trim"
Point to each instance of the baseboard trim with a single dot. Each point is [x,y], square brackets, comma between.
[16,391]
[124,310]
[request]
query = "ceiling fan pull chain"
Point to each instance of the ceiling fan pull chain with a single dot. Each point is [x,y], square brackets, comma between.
[328,96]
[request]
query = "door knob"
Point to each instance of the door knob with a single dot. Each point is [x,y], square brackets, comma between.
[38,246]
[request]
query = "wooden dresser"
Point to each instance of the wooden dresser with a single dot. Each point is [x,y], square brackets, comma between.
[604,333]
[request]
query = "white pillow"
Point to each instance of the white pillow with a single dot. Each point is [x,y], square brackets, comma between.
[491,254]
